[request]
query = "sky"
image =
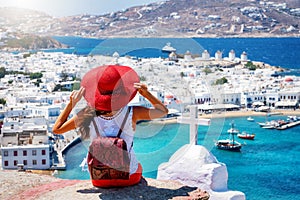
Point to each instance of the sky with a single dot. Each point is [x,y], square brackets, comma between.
[59,8]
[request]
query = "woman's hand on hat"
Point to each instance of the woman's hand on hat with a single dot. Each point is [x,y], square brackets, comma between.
[76,95]
[141,87]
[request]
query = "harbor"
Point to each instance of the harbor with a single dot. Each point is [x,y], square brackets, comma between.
[289,125]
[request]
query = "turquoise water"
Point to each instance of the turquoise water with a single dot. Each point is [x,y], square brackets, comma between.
[267,167]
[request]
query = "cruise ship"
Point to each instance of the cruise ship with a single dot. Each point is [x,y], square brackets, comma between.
[168,48]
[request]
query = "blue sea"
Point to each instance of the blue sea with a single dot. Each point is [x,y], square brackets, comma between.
[283,52]
[266,168]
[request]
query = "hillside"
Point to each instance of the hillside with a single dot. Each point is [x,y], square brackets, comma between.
[173,18]
[30,42]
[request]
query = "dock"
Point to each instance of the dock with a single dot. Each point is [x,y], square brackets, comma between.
[289,125]
[61,164]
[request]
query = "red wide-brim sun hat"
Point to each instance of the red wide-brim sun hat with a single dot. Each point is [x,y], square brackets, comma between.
[109,87]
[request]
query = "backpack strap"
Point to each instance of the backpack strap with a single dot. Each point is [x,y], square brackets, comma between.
[96,127]
[122,125]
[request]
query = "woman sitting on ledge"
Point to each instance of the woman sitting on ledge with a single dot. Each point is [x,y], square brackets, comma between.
[108,90]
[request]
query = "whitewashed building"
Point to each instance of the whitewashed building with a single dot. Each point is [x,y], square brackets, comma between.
[270,98]
[202,97]
[231,55]
[29,156]
[188,56]
[172,102]
[288,99]
[201,92]
[250,98]
[289,95]
[218,55]
[231,97]
[17,111]
[49,112]
[141,101]
[17,131]
[244,57]
[205,55]
[25,141]
[69,84]
[173,56]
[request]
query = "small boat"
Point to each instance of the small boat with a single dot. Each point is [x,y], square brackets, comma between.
[55,172]
[245,135]
[172,113]
[261,124]
[267,122]
[232,130]
[83,165]
[268,126]
[250,119]
[168,48]
[282,123]
[229,144]
[292,118]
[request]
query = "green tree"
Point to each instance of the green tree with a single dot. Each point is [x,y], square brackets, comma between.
[2,101]
[181,74]
[36,75]
[221,81]
[26,55]
[250,65]
[143,78]
[2,72]
[207,70]
[76,86]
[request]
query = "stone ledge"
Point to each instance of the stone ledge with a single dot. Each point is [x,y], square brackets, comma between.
[29,186]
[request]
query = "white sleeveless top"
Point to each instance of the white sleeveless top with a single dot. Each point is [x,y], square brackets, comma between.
[109,126]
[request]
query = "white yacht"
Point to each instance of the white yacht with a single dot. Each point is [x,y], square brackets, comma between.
[168,48]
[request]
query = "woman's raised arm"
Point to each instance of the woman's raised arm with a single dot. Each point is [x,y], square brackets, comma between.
[143,113]
[62,124]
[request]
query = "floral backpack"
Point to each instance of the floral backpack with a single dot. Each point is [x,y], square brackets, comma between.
[108,157]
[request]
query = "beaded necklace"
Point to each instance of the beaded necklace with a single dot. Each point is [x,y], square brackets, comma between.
[111,117]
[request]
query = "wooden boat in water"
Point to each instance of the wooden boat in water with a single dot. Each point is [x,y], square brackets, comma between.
[245,135]
[229,144]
